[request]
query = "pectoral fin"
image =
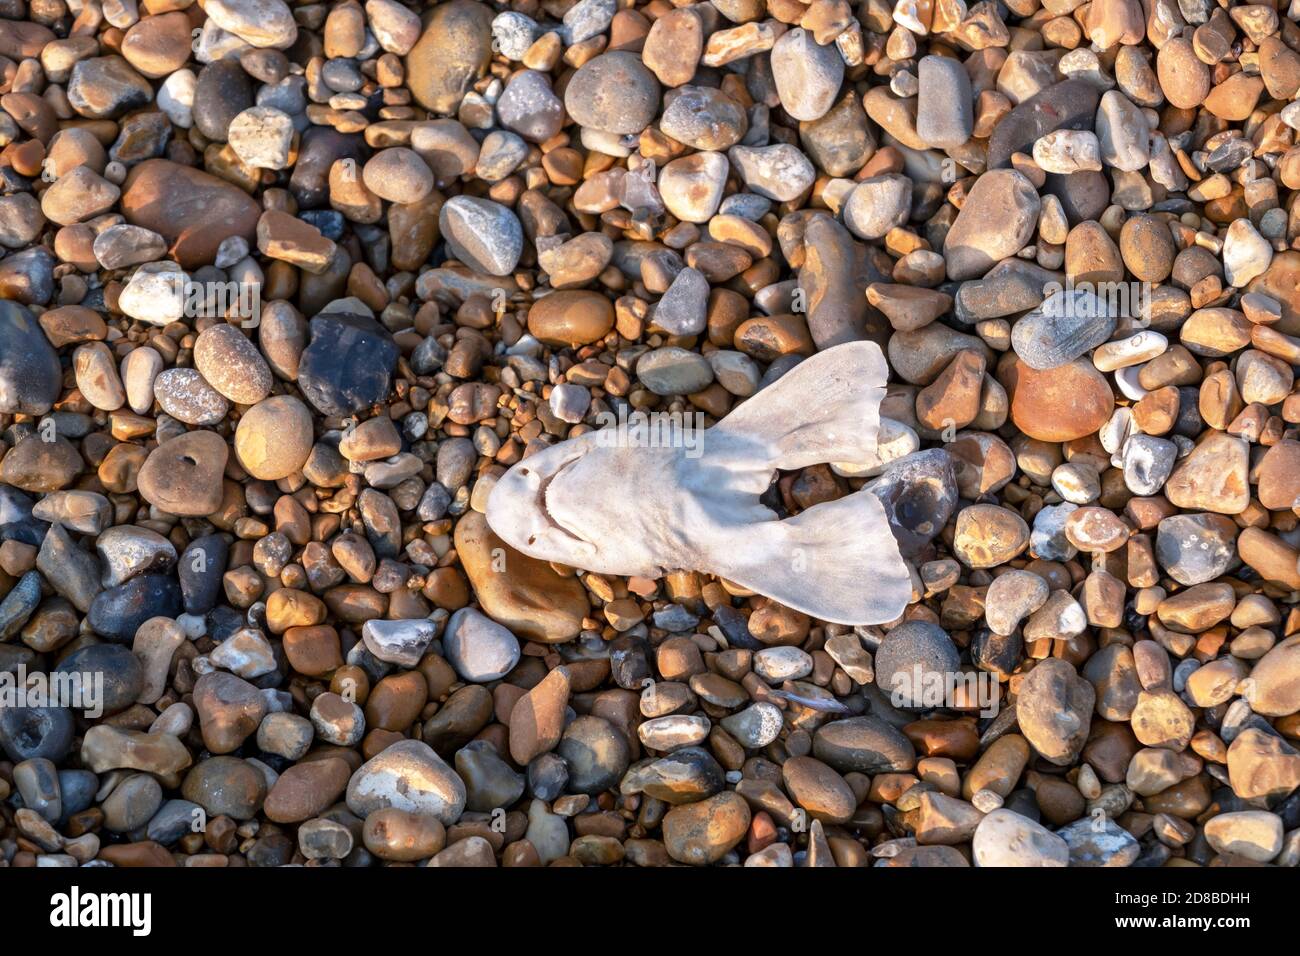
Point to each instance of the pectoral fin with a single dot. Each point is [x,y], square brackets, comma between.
[827,408]
[837,561]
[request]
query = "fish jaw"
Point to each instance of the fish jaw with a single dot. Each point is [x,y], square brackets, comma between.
[517,512]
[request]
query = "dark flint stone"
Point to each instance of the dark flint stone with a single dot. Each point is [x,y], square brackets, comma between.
[117,613]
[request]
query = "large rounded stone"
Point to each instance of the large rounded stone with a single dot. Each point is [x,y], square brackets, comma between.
[274,438]
[193,210]
[701,833]
[613,93]
[528,597]
[916,661]
[452,53]
[409,776]
[1054,710]
[997,220]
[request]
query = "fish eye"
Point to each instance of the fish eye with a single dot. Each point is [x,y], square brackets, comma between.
[532,539]
[524,472]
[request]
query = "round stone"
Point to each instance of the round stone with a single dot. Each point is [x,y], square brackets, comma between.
[915,661]
[274,438]
[613,93]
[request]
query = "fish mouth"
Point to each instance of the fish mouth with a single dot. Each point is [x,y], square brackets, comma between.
[543,486]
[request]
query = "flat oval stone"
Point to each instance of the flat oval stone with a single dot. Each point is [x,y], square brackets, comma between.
[1276,680]
[480,649]
[570,318]
[1054,710]
[306,789]
[997,220]
[231,364]
[226,786]
[223,91]
[864,745]
[807,74]
[701,833]
[183,475]
[674,371]
[109,675]
[186,395]
[274,438]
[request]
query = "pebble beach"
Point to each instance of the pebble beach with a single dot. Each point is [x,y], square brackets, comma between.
[287,289]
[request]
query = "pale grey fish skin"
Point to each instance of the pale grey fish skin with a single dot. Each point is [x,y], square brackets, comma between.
[610,502]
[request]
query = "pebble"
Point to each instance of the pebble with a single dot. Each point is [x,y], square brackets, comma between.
[1107,845]
[398,642]
[691,187]
[945,115]
[486,236]
[1054,710]
[30,377]
[701,833]
[183,475]
[807,74]
[1068,324]
[780,172]
[231,364]
[1254,835]
[274,438]
[347,365]
[996,221]
[532,600]
[674,371]
[683,308]
[613,93]
[262,137]
[1006,838]
[478,648]
[596,752]
[407,776]
[877,205]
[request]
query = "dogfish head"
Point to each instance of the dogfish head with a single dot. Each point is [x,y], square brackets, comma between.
[625,502]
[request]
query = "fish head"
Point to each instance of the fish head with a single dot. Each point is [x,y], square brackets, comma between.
[518,510]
